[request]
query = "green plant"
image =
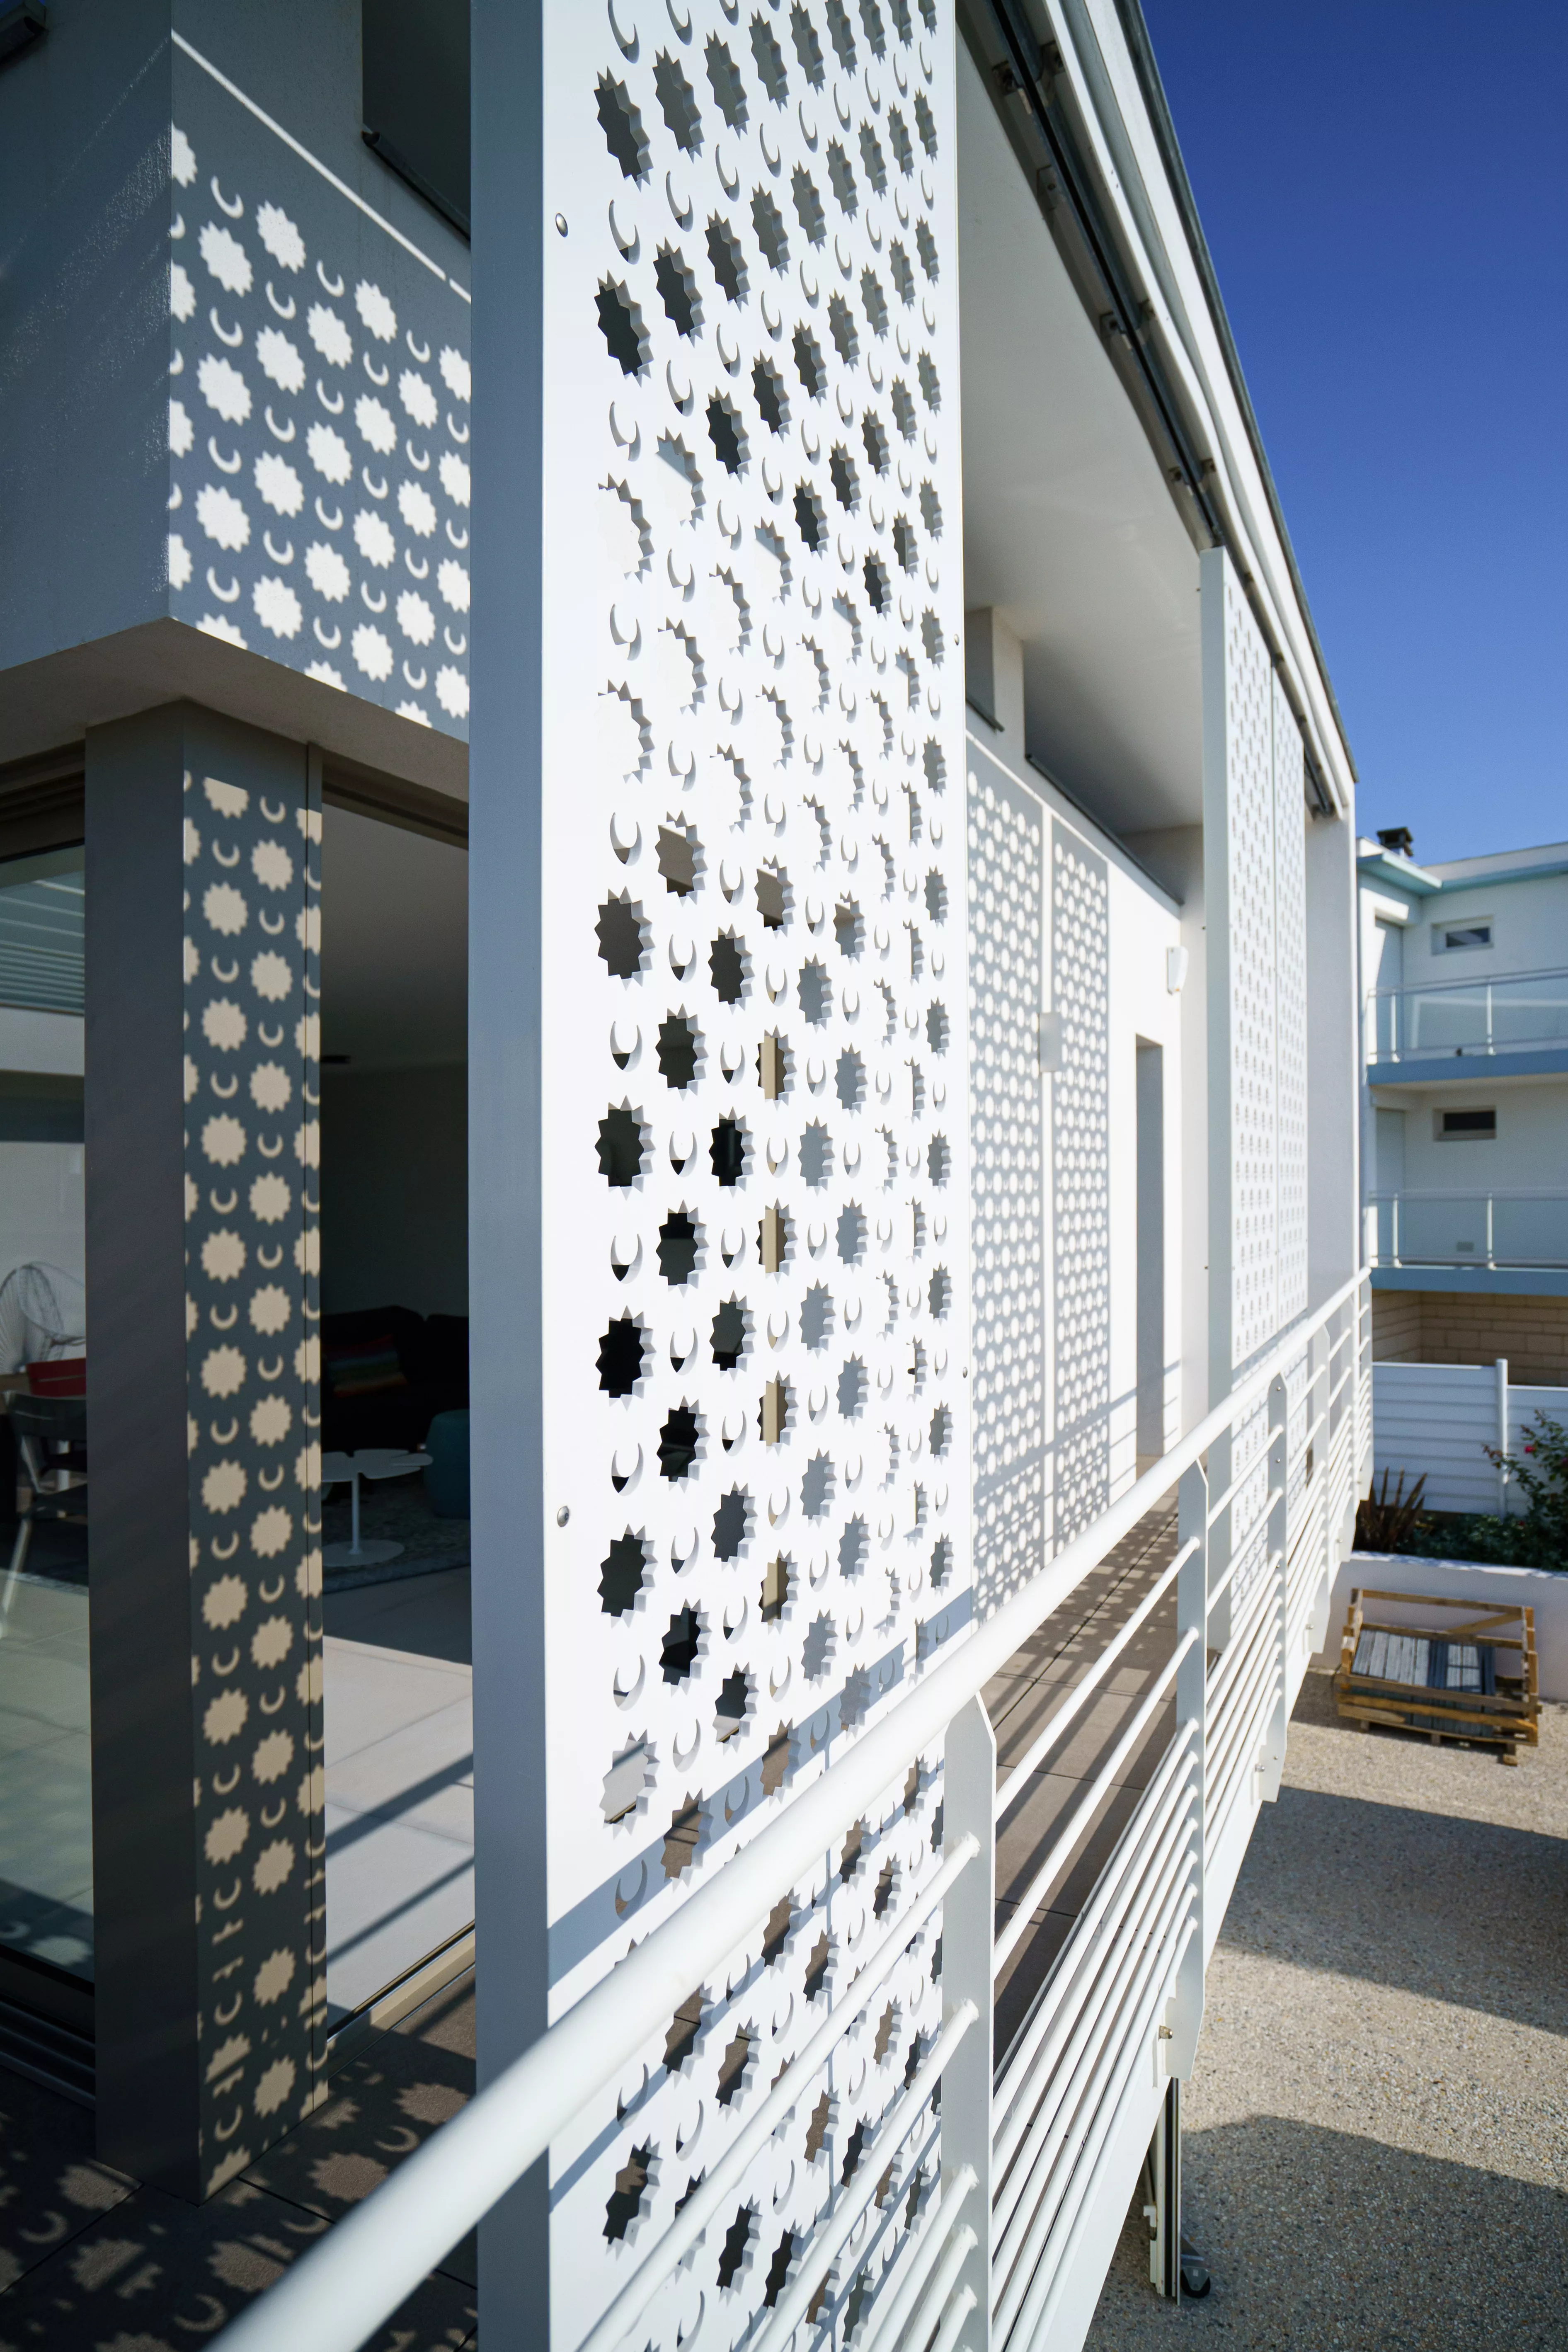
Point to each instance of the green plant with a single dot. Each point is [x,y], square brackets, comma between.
[1538,1533]
[1383,1521]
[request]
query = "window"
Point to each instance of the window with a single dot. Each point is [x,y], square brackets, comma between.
[1463,1126]
[1450,939]
[415,98]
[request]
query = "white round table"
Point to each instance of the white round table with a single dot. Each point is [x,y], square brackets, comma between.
[371,1462]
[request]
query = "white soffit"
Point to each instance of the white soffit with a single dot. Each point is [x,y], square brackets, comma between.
[1069,528]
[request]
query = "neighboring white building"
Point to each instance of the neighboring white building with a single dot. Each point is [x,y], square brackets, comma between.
[1465,1136]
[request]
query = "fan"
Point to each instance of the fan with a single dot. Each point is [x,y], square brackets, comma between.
[43,1314]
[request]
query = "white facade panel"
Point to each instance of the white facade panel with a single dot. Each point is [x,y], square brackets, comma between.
[1256,864]
[1069,970]
[1009,835]
[754,1063]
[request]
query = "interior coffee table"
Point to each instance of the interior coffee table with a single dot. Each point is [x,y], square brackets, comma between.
[371,1462]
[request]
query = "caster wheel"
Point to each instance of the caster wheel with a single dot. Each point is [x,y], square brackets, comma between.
[1195,2281]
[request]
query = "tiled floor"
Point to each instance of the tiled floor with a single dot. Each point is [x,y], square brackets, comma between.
[1021,1701]
[400,1805]
[400,1780]
[46,1815]
[91,2260]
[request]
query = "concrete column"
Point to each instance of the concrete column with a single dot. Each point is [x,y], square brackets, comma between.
[203,866]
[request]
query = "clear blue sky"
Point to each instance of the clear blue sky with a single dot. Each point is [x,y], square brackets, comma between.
[1383,186]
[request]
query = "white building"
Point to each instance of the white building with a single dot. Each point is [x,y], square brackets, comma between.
[1465,1140]
[909,1036]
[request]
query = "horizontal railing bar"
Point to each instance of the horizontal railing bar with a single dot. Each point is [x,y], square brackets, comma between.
[953,2326]
[1238,1735]
[935,2302]
[1008,1794]
[695,2215]
[1035,2323]
[1271,1494]
[1067,1844]
[1016,2218]
[1023,2265]
[1072,2066]
[934,2232]
[1253,1611]
[1222,1503]
[1239,1557]
[1245,1661]
[1039,2043]
[373,2258]
[1242,1756]
[1308,1435]
[793,2304]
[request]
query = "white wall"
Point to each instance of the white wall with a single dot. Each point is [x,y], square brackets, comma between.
[42,1207]
[1143,928]
[394,1176]
[1530,1147]
[1540,1589]
[1176,856]
[1530,930]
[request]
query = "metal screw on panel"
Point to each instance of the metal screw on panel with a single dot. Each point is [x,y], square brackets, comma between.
[563,1515]
[561,223]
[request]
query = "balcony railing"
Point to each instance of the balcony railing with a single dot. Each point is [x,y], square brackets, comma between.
[1491,1229]
[1464,1017]
[1034,2139]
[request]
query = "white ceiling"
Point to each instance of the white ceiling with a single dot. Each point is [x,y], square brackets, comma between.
[394,945]
[1068,526]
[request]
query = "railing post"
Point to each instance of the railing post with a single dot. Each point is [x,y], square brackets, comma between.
[1186,2015]
[968,1950]
[1221,1456]
[1271,1763]
[1323,1472]
[1490,1253]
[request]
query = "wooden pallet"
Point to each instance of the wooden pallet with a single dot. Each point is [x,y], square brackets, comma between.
[1505,1718]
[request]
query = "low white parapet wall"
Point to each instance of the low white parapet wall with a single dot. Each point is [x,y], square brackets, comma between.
[1541,1589]
[1437,1421]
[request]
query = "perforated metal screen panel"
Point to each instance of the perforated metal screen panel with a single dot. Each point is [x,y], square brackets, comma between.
[755,1065]
[1265,955]
[1008,854]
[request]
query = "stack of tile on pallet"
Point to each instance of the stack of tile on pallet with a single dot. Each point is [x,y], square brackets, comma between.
[1382,1667]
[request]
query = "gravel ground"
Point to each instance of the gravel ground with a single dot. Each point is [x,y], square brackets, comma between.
[1375,2141]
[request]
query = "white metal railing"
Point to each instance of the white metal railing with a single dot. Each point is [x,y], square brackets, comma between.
[1521,1228]
[999,2248]
[1476,1016]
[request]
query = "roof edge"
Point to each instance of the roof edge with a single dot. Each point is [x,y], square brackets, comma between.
[1135,32]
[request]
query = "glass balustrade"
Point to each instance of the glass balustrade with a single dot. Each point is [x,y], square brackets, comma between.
[1483,1016]
[1497,1228]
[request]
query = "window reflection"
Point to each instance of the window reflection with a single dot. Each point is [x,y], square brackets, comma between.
[45,1850]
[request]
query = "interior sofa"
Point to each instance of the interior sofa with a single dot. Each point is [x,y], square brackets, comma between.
[367,1399]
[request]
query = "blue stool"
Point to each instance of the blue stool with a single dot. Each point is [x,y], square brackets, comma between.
[447,1479]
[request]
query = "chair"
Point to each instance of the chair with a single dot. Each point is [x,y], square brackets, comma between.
[51,1436]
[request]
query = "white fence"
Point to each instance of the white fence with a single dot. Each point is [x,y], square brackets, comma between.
[1001,2237]
[1437,1421]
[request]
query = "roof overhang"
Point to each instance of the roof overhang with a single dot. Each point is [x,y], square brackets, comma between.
[1072,87]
